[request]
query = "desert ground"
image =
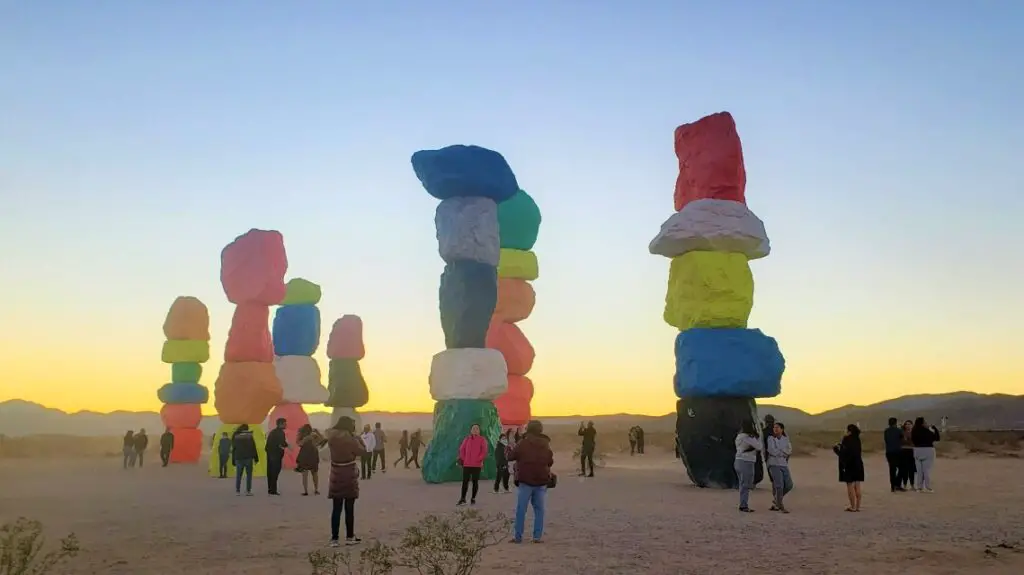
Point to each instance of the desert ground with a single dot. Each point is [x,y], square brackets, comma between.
[639,515]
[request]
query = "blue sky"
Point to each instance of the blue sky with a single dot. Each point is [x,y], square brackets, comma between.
[882,142]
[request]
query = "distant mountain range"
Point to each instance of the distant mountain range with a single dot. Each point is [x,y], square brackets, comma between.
[964,410]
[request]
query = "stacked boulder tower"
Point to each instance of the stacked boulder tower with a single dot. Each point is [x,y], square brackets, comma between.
[296,336]
[187,329]
[465,379]
[346,386]
[247,388]
[721,364]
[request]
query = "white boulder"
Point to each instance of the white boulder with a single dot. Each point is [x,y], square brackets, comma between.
[349,412]
[300,379]
[468,373]
[712,225]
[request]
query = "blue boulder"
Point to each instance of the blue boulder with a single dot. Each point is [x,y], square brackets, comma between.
[465,171]
[296,329]
[466,297]
[183,392]
[727,362]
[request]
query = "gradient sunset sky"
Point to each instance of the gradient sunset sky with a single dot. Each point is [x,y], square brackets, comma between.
[883,143]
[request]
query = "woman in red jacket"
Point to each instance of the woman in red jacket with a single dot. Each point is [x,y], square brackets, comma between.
[472,454]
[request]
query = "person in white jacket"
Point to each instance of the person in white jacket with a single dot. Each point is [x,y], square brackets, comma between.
[779,450]
[748,445]
[366,461]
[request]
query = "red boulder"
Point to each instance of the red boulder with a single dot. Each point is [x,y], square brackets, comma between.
[710,161]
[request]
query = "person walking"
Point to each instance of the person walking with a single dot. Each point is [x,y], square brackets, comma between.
[415,442]
[277,442]
[166,446]
[748,447]
[501,461]
[307,462]
[534,460]
[244,455]
[908,467]
[893,438]
[589,435]
[924,437]
[777,455]
[343,488]
[223,454]
[379,454]
[851,465]
[128,449]
[472,454]
[366,459]
[140,443]
[403,450]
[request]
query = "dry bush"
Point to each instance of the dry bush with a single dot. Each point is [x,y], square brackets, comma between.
[21,549]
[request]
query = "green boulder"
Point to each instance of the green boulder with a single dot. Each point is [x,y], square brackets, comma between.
[186,372]
[346,384]
[452,420]
[301,291]
[518,222]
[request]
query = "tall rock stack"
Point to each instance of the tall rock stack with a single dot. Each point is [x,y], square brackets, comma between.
[187,329]
[721,365]
[464,379]
[296,337]
[519,223]
[252,274]
[346,386]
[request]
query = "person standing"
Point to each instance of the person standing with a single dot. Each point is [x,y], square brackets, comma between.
[379,439]
[128,449]
[343,487]
[851,465]
[534,460]
[166,446]
[140,442]
[403,450]
[501,461]
[276,444]
[748,447]
[223,454]
[589,435]
[415,441]
[777,455]
[472,454]
[308,460]
[639,440]
[924,437]
[632,440]
[908,467]
[244,455]
[366,459]
[893,438]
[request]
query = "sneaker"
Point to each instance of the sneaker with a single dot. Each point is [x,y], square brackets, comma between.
[516,541]
[774,508]
[538,540]
[460,503]
[238,494]
[353,541]
[746,510]
[248,493]
[472,502]
[334,543]
[927,490]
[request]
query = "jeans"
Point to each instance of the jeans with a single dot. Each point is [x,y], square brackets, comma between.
[274,464]
[745,473]
[243,466]
[924,457]
[349,505]
[366,469]
[470,474]
[224,465]
[528,494]
[782,482]
[379,455]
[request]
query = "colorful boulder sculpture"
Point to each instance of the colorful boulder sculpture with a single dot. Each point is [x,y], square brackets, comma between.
[346,387]
[187,329]
[721,366]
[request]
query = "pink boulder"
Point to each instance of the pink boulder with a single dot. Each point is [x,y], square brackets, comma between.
[296,418]
[252,268]
[710,161]
[249,335]
[346,339]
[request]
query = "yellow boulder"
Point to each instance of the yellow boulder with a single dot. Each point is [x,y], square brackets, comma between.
[185,351]
[709,289]
[517,264]
[259,469]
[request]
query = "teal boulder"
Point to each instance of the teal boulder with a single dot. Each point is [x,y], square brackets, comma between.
[518,222]
[186,372]
[452,420]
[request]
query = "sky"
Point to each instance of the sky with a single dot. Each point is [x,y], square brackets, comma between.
[882,144]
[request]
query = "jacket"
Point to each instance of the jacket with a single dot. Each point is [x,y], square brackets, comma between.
[893,439]
[277,442]
[345,449]
[924,436]
[369,441]
[779,450]
[473,451]
[747,448]
[167,442]
[379,439]
[243,447]
[501,453]
[533,459]
[589,435]
[224,448]
[141,442]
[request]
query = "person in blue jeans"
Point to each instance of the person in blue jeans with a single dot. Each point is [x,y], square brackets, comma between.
[748,446]
[243,456]
[534,460]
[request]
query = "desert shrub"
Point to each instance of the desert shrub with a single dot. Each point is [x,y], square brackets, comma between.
[21,549]
[451,545]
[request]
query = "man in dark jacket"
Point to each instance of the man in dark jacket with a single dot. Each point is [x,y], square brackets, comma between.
[534,460]
[244,455]
[223,454]
[166,446]
[379,454]
[893,445]
[276,444]
[589,435]
[141,443]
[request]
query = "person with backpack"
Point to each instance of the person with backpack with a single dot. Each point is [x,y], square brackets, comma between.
[244,455]
[534,459]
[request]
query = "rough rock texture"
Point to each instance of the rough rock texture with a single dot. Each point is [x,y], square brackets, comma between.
[259,469]
[709,289]
[452,420]
[252,268]
[467,296]
[514,405]
[346,339]
[710,161]
[467,229]
[183,392]
[249,336]
[186,372]
[346,385]
[706,429]
[715,226]
[301,291]
[296,329]
[518,264]
[513,345]
[350,412]
[516,299]
[467,171]
[467,373]
[246,391]
[519,222]
[296,417]
[185,351]
[300,379]
[181,415]
[727,363]
[188,318]
[188,444]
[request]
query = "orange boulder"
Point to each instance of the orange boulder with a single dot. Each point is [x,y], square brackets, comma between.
[181,415]
[188,444]
[710,161]
[246,391]
[516,299]
[510,341]
[188,318]
[249,336]
[512,411]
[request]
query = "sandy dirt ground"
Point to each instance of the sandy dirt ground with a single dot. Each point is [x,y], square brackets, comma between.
[640,515]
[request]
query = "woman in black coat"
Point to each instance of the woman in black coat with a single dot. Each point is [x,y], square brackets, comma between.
[851,465]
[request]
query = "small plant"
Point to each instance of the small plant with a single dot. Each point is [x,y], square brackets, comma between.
[21,547]
[373,560]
